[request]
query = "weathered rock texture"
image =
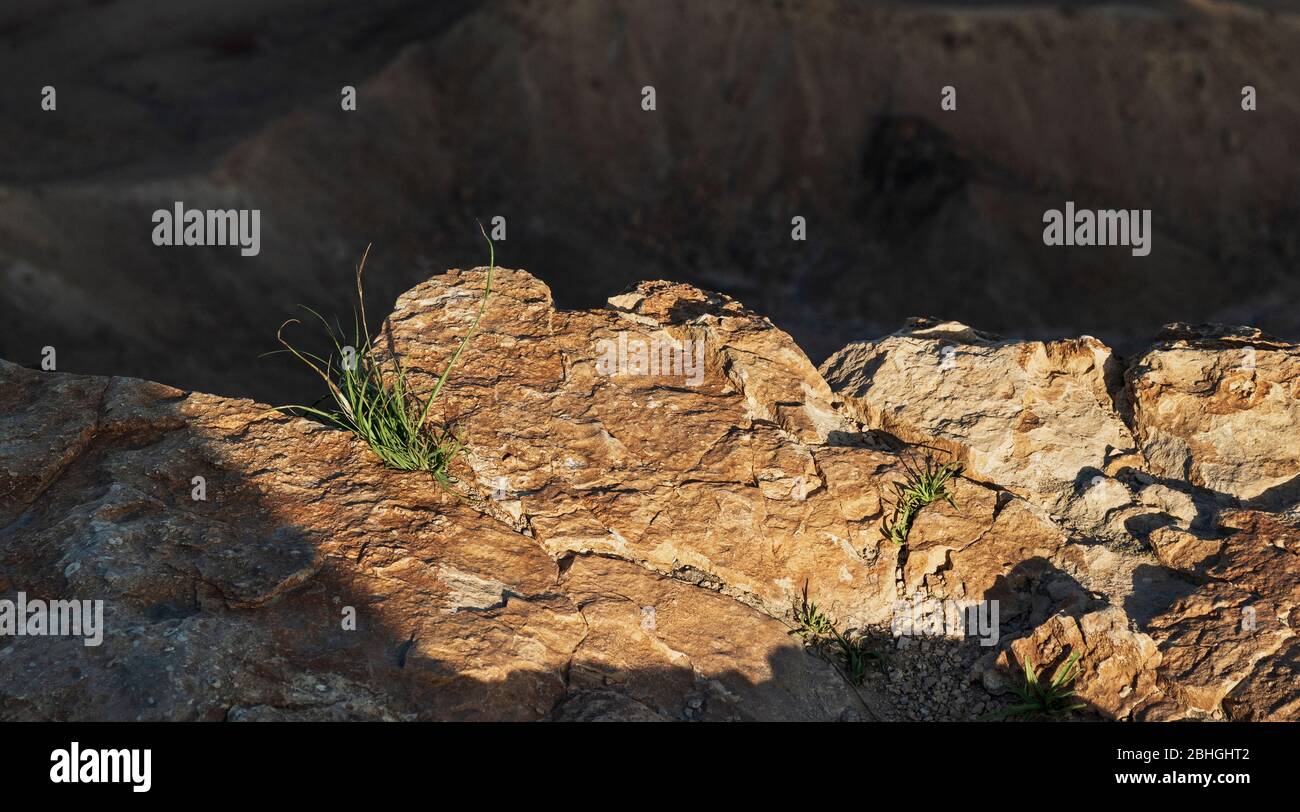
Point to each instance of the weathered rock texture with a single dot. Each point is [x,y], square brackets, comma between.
[627,541]
[1231,645]
[1220,408]
[1037,417]
[234,607]
[751,483]
[1118,675]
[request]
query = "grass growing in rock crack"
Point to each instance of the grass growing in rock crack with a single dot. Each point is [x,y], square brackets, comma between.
[811,624]
[1038,698]
[923,485]
[853,651]
[374,400]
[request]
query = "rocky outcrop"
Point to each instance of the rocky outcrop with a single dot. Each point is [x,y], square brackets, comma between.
[647,490]
[312,583]
[1231,646]
[745,479]
[1215,406]
[1117,675]
[1036,417]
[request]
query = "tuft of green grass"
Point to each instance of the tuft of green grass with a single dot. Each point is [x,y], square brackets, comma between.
[374,400]
[1038,698]
[856,654]
[853,651]
[811,624]
[923,485]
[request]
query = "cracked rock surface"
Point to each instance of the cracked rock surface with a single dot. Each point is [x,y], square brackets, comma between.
[627,541]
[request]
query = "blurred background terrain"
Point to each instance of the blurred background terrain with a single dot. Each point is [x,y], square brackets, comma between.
[531,109]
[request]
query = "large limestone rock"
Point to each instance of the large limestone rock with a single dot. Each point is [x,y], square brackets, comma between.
[1225,650]
[1213,410]
[746,480]
[234,607]
[1219,407]
[1116,666]
[628,537]
[1043,420]
[1035,418]
[1230,649]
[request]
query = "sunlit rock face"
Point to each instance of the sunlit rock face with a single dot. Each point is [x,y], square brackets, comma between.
[648,489]
[1212,405]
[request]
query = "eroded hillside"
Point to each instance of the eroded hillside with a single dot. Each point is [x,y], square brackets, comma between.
[825,109]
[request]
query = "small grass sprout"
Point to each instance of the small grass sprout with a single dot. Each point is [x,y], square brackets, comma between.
[923,485]
[1055,698]
[811,624]
[817,630]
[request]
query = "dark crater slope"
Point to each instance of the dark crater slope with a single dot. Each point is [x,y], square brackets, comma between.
[532,111]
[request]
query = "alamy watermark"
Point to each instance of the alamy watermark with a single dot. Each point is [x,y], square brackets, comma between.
[73,765]
[57,618]
[1103,227]
[657,357]
[930,617]
[1249,619]
[181,226]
